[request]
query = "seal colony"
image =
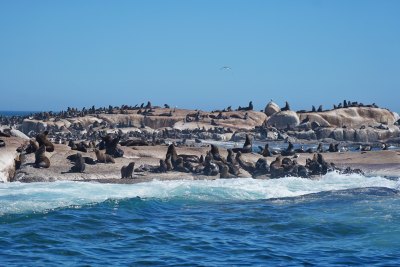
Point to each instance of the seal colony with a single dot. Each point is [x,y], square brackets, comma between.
[75,145]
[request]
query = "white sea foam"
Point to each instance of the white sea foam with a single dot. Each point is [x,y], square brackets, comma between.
[39,197]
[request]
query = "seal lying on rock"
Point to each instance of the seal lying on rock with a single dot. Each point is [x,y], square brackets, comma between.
[82,146]
[173,155]
[162,168]
[88,160]
[333,148]
[134,143]
[41,161]
[3,134]
[103,158]
[42,140]
[126,171]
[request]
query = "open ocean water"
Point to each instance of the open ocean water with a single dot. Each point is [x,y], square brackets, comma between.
[337,220]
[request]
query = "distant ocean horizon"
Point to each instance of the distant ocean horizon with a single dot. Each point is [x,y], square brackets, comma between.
[16,113]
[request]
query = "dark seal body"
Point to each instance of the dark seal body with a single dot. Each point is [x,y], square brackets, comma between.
[127,171]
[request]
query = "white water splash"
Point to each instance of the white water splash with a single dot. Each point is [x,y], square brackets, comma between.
[39,197]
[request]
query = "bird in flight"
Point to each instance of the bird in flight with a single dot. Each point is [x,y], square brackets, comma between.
[225,68]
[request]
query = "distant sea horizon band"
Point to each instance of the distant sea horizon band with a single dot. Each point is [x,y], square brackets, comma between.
[7,113]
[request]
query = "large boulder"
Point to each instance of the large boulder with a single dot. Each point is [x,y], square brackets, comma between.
[323,133]
[353,117]
[315,118]
[365,135]
[349,134]
[271,109]
[283,119]
[338,134]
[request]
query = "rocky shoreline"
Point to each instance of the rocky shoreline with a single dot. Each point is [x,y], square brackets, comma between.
[142,135]
[382,163]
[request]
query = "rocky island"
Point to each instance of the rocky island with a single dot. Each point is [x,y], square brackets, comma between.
[130,144]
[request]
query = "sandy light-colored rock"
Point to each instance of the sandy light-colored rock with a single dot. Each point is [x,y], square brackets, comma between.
[7,156]
[353,117]
[374,163]
[244,120]
[283,119]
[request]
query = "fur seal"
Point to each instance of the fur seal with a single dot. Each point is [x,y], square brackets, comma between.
[247,147]
[249,107]
[126,171]
[224,174]
[111,146]
[168,162]
[286,107]
[365,148]
[79,164]
[262,168]
[130,142]
[320,149]
[333,148]
[317,165]
[247,166]
[32,147]
[276,168]
[162,168]
[300,150]
[42,140]
[231,157]
[174,156]
[88,160]
[41,161]
[180,166]
[215,153]
[3,134]
[19,160]
[211,168]
[288,151]
[103,158]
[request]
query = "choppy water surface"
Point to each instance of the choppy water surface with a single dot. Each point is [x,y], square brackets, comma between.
[337,220]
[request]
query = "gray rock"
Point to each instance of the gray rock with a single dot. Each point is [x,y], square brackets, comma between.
[283,119]
[238,136]
[304,135]
[324,133]
[337,134]
[349,135]
[271,109]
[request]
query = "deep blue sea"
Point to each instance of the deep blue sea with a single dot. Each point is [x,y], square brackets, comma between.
[335,221]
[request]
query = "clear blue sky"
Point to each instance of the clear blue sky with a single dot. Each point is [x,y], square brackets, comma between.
[55,54]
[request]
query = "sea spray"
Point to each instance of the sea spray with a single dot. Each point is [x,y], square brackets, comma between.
[40,197]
